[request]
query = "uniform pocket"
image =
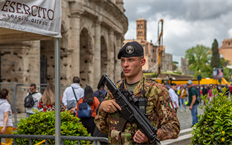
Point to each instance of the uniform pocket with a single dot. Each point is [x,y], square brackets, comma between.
[117,137]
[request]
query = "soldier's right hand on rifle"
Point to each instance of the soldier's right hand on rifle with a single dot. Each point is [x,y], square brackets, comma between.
[109,106]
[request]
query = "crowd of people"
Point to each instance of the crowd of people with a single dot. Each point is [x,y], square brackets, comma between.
[74,96]
[182,95]
[73,99]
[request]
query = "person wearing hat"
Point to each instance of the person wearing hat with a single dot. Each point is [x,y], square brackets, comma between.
[192,101]
[159,106]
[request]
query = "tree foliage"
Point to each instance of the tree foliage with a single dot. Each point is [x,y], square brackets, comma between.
[215,60]
[199,59]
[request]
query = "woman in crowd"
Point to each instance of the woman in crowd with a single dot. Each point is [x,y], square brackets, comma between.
[182,97]
[93,103]
[5,115]
[47,101]
[210,92]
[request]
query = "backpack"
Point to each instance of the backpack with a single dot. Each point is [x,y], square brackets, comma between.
[100,96]
[84,110]
[29,101]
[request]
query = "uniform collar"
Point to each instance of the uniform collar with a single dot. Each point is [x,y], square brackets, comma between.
[139,85]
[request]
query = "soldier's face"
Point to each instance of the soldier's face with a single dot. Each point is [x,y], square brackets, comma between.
[132,66]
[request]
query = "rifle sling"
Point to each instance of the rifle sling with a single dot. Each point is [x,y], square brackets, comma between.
[122,124]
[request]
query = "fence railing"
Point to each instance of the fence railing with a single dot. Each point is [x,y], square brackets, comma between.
[50,137]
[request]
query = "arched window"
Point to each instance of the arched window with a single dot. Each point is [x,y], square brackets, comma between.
[228,43]
[138,25]
[141,26]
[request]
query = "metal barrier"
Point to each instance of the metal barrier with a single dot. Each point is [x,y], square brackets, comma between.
[50,137]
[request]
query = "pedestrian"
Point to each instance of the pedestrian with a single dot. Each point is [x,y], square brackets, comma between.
[159,112]
[174,96]
[5,115]
[47,101]
[100,93]
[93,102]
[72,94]
[123,77]
[210,93]
[192,101]
[182,97]
[31,101]
[205,90]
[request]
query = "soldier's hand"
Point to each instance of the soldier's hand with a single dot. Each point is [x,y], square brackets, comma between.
[139,137]
[109,106]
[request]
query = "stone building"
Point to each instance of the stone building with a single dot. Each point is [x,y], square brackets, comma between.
[166,63]
[92,34]
[150,50]
[226,49]
[184,66]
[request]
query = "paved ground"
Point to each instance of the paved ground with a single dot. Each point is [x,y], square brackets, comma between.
[185,118]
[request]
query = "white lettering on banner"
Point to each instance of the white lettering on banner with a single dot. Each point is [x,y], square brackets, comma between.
[35,11]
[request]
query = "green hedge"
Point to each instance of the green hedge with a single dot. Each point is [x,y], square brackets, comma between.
[43,123]
[215,125]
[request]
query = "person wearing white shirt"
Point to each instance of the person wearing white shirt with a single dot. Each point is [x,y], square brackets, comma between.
[5,115]
[174,96]
[70,96]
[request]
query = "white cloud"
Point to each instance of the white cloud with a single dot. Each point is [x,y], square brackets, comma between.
[186,23]
[230,32]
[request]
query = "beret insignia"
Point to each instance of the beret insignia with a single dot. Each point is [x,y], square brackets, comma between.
[129,49]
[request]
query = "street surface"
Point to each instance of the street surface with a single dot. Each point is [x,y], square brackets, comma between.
[185,118]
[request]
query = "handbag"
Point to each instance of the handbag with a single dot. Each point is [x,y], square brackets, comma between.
[84,110]
[72,103]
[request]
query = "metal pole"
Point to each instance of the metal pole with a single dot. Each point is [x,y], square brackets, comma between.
[14,103]
[57,91]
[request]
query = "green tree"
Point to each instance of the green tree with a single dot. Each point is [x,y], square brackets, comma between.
[198,57]
[215,60]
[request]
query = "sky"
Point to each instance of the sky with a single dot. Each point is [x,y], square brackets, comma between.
[186,22]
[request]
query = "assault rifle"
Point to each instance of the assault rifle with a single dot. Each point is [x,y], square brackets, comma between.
[130,111]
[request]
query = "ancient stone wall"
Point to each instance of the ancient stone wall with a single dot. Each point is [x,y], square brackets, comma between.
[92,34]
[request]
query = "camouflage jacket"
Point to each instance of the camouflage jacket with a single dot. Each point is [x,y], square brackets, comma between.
[160,115]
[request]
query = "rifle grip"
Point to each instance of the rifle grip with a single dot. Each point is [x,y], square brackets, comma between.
[119,112]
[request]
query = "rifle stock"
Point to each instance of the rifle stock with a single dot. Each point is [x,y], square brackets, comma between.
[130,111]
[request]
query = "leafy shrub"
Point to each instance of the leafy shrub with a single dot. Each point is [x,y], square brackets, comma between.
[215,125]
[43,123]
[177,72]
[154,75]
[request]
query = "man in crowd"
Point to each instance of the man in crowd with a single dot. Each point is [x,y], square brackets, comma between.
[174,96]
[31,101]
[160,114]
[100,94]
[192,101]
[72,94]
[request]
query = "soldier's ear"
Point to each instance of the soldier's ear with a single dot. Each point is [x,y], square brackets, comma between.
[142,62]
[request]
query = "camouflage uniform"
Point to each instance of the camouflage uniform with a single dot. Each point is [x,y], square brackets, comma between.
[160,115]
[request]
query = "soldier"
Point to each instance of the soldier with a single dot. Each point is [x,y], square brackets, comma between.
[159,106]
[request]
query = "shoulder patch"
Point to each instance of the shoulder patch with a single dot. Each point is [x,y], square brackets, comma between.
[170,104]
